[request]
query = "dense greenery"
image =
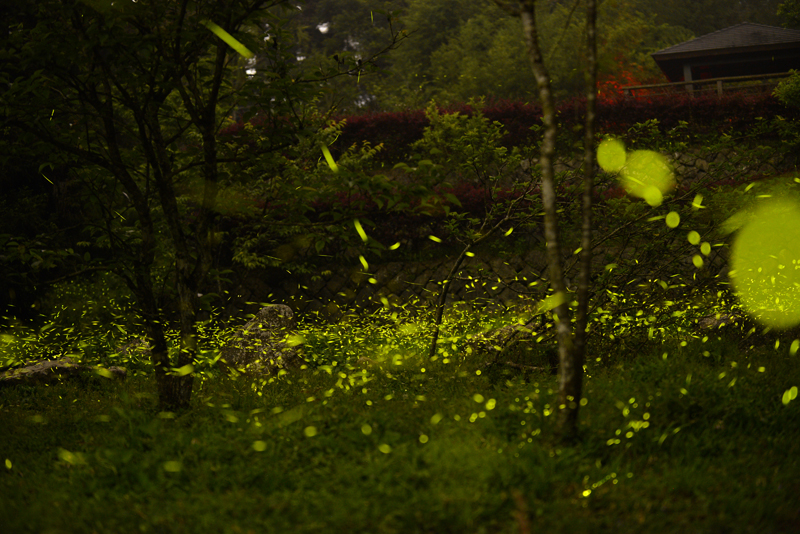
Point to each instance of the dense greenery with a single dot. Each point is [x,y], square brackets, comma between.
[458,49]
[134,126]
[136,197]
[790,13]
[676,437]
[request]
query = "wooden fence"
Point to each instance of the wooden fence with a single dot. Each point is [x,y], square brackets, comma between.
[730,84]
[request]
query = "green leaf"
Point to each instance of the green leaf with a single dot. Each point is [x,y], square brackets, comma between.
[44,165]
[452,199]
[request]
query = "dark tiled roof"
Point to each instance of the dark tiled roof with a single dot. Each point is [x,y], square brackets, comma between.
[744,35]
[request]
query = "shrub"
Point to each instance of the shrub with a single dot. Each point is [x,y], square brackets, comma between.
[788,91]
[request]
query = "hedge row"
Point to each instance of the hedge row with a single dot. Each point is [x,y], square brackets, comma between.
[704,114]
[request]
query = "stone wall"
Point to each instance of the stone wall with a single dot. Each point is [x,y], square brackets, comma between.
[335,290]
[487,277]
[695,164]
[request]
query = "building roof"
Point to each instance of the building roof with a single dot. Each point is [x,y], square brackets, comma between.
[740,37]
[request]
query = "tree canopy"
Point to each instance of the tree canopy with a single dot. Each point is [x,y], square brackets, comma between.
[127,100]
[459,49]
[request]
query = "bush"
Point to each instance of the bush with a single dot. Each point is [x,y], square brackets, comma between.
[788,91]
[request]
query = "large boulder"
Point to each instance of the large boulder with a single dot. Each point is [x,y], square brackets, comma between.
[263,344]
[50,371]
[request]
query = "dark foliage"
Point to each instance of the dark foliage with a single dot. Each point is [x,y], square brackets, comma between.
[708,113]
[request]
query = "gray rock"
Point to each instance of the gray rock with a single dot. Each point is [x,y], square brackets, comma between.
[711,322]
[261,346]
[50,371]
[135,347]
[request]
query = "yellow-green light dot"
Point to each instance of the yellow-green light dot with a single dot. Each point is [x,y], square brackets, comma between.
[697,260]
[477,397]
[360,230]
[611,155]
[259,446]
[310,431]
[423,438]
[647,175]
[653,196]
[673,219]
[705,248]
[173,466]
[366,429]
[384,448]
[693,237]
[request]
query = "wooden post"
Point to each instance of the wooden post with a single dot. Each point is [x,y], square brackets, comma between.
[719,87]
[687,77]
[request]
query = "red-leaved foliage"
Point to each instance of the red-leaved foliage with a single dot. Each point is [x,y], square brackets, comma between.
[610,84]
[704,113]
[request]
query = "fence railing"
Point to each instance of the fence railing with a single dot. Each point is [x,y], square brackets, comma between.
[731,83]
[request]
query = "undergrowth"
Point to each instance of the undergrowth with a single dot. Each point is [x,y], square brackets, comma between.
[690,434]
[683,428]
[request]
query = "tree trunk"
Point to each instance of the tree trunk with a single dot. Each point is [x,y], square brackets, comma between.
[154,330]
[571,383]
[570,369]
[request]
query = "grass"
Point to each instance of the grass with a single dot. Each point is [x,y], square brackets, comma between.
[689,434]
[673,441]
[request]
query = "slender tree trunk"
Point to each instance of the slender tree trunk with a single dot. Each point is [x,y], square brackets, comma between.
[569,370]
[454,270]
[154,329]
[571,384]
[174,392]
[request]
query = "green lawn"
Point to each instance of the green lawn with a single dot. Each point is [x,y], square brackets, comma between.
[676,443]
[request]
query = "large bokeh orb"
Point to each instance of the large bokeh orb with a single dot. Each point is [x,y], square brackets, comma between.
[611,155]
[765,263]
[647,175]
